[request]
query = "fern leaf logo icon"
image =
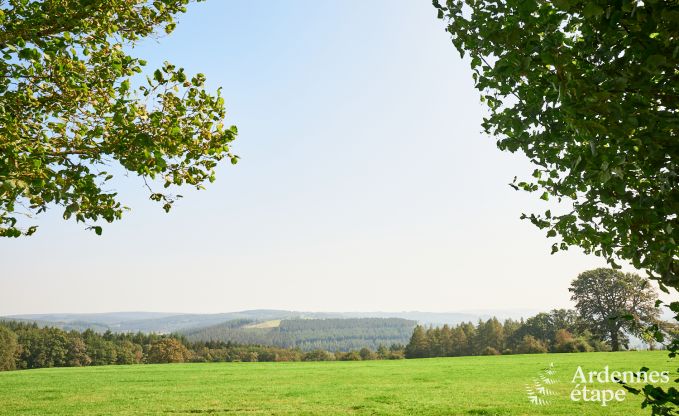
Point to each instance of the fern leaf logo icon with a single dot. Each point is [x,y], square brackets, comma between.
[537,391]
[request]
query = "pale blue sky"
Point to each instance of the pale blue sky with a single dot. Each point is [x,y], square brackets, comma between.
[364,184]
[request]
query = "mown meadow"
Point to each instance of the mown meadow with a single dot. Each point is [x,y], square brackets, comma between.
[492,385]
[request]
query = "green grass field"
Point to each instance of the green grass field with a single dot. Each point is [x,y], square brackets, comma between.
[439,386]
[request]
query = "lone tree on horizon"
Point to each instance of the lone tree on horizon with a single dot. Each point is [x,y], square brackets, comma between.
[614,304]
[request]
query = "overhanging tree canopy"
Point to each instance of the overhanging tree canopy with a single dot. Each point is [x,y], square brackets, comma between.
[589,91]
[68,111]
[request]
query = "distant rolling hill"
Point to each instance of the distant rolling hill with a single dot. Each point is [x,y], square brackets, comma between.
[159,322]
[338,334]
[100,318]
[166,322]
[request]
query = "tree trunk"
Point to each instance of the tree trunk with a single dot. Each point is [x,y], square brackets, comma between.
[615,342]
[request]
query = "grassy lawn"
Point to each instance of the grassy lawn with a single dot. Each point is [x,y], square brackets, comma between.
[438,386]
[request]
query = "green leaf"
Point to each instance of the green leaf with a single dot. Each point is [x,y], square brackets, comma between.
[592,10]
[655,61]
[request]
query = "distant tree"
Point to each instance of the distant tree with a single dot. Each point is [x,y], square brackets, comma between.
[545,325]
[459,342]
[446,341]
[382,352]
[566,342]
[614,303]
[562,338]
[366,354]
[100,350]
[128,352]
[46,347]
[418,347]
[489,351]
[531,345]
[539,326]
[169,350]
[246,356]
[397,352]
[490,334]
[510,328]
[567,319]
[76,356]
[470,334]
[318,355]
[9,349]
[668,330]
[70,110]
[349,356]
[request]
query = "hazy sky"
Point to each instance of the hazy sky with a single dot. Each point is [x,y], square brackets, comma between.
[364,184]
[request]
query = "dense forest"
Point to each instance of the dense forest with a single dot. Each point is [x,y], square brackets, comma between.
[312,334]
[25,346]
[560,330]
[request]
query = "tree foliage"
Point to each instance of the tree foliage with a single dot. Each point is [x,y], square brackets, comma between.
[168,350]
[26,345]
[531,345]
[74,111]
[559,330]
[588,91]
[9,349]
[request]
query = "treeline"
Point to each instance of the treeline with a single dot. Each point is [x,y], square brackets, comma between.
[560,330]
[313,334]
[28,345]
[25,346]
